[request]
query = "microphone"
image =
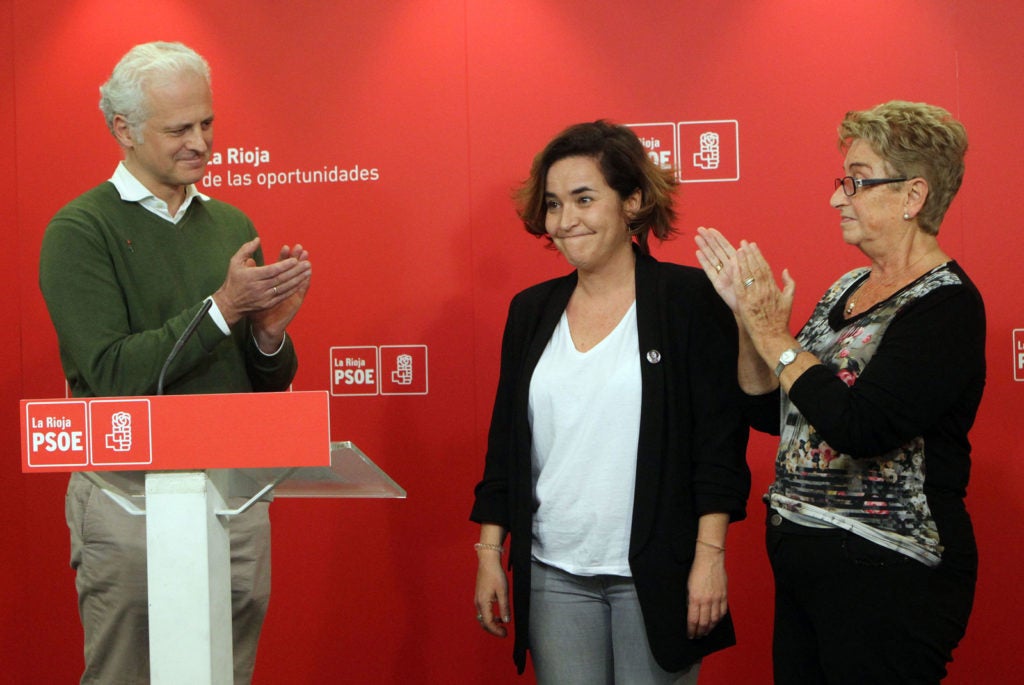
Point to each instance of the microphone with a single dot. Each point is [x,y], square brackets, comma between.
[180,342]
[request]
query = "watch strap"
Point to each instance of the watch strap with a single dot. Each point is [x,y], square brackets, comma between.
[786,358]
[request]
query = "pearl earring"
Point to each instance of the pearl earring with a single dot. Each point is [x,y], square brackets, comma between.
[906,217]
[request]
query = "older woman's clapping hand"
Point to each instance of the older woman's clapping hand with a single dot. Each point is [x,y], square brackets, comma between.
[743,279]
[763,307]
[718,258]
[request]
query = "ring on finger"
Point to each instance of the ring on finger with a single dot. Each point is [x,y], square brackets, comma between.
[749,281]
[275,290]
[718,267]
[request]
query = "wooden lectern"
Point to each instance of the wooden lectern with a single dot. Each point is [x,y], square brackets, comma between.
[275,444]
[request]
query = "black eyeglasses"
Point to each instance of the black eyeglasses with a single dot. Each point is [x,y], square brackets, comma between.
[851,184]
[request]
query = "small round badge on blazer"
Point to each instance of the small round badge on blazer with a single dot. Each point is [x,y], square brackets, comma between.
[653,356]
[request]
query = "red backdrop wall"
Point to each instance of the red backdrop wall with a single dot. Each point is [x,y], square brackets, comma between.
[442,103]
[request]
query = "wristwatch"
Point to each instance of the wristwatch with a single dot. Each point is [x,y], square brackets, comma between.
[787,358]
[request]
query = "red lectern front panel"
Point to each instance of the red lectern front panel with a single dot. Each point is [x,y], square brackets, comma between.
[176,432]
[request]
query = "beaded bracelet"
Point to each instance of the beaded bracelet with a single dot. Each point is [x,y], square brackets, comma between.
[484,545]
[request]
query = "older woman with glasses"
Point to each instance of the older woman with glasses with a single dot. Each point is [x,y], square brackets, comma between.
[870,543]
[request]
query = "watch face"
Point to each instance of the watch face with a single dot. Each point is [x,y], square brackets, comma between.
[788,356]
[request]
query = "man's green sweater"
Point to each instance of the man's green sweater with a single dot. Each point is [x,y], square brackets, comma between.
[121,285]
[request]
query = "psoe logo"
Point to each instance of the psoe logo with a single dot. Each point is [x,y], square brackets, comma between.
[406,369]
[661,143]
[379,370]
[56,434]
[354,370]
[120,432]
[698,151]
[1018,354]
[98,432]
[709,151]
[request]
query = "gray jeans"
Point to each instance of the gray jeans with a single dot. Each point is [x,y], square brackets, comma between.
[589,630]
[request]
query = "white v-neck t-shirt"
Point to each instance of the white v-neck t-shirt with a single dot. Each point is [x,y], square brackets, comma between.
[585,420]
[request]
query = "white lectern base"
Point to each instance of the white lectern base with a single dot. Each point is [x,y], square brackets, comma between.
[189,553]
[188,569]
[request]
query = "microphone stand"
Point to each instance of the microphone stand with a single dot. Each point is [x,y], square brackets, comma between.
[180,342]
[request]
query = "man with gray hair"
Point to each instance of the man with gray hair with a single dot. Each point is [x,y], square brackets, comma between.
[124,268]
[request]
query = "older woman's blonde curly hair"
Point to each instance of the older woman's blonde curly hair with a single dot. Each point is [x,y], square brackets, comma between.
[916,140]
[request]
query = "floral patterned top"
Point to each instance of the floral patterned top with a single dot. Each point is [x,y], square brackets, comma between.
[897,390]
